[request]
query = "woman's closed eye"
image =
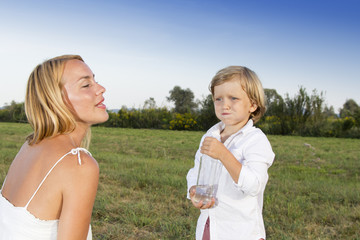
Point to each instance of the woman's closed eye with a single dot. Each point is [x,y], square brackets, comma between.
[89,84]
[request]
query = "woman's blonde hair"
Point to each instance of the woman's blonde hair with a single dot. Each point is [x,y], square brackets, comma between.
[45,108]
[249,82]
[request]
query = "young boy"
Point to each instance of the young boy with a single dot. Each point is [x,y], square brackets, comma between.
[245,153]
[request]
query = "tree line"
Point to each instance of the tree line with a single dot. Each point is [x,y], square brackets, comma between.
[303,114]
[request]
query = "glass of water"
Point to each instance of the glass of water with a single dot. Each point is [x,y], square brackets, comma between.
[207,180]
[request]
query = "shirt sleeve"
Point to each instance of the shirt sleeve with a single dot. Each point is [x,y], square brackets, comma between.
[258,157]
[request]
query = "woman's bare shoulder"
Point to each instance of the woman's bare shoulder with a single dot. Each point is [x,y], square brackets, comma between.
[80,170]
[71,164]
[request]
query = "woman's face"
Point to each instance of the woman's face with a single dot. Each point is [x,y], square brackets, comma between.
[83,94]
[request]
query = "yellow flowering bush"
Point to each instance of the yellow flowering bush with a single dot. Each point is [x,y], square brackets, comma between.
[184,121]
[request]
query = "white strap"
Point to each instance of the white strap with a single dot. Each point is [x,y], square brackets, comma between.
[3,183]
[73,152]
[77,151]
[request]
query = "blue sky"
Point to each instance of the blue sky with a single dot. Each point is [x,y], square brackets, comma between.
[140,49]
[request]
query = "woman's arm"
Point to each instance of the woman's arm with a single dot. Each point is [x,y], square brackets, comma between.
[79,191]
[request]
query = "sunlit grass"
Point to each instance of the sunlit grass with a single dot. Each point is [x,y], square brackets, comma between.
[313,190]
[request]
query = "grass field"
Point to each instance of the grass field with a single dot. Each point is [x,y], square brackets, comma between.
[313,190]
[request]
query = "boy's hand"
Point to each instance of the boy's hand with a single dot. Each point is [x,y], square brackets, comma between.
[213,148]
[200,204]
[217,150]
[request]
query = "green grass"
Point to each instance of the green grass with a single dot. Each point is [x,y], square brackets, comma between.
[313,191]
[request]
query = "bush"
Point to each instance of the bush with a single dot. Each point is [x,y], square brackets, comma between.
[184,121]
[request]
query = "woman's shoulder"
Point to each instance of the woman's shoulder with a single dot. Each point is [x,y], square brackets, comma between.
[85,160]
[79,161]
[79,171]
[69,159]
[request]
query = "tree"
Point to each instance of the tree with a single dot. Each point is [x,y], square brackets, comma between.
[274,120]
[274,103]
[329,111]
[15,112]
[349,108]
[298,109]
[183,100]
[149,104]
[317,107]
[207,117]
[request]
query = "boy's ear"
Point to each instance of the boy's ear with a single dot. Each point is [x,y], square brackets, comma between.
[253,107]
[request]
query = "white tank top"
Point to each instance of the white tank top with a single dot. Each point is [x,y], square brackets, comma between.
[17,223]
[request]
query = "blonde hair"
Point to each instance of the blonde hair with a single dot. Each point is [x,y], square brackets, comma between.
[249,82]
[45,108]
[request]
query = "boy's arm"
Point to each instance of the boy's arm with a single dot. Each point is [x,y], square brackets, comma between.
[258,157]
[250,176]
[215,149]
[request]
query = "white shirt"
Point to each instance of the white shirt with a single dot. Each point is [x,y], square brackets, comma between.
[237,213]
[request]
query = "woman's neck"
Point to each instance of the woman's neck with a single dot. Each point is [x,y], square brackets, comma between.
[77,136]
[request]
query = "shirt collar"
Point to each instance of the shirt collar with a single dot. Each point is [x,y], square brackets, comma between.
[220,126]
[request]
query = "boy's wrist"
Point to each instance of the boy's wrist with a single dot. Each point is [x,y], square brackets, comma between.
[226,154]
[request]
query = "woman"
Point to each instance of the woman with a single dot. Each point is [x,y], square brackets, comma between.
[50,187]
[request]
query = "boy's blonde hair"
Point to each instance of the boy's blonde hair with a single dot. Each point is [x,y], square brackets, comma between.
[45,108]
[249,82]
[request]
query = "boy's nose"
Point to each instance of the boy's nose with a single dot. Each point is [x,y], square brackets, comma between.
[226,104]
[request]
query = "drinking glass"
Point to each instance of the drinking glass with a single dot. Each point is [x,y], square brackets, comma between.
[207,179]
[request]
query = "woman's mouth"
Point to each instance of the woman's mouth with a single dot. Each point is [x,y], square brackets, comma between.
[101,104]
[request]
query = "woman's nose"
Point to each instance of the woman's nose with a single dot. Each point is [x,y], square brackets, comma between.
[100,90]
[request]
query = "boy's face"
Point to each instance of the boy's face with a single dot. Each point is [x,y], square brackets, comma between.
[232,105]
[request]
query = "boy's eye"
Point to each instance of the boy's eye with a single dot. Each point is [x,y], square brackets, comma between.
[234,98]
[217,99]
[86,85]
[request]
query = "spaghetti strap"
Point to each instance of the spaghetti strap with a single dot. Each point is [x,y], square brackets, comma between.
[3,184]
[73,152]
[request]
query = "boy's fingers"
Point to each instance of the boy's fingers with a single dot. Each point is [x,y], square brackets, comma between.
[207,205]
[192,191]
[199,204]
[212,202]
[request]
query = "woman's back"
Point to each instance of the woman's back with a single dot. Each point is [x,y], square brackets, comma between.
[17,223]
[29,168]
[32,199]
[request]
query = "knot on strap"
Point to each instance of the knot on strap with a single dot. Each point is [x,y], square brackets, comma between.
[77,151]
